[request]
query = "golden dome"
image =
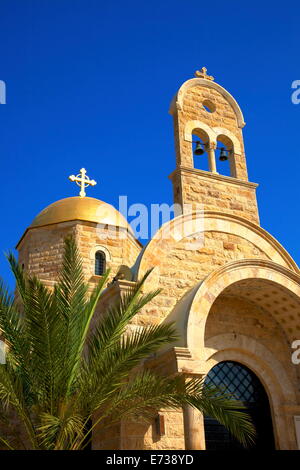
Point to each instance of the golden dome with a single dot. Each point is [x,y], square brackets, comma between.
[81,208]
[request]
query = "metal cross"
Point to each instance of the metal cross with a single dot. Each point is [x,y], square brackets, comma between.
[202,74]
[83,181]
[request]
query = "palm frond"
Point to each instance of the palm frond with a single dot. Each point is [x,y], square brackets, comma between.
[57,432]
[70,303]
[111,368]
[147,393]
[62,368]
[12,394]
[85,325]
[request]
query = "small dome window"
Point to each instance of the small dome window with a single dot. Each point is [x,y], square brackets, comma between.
[100,263]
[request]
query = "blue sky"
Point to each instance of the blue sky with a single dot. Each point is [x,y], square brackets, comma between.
[89,84]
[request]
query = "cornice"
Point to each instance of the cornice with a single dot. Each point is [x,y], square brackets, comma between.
[213,176]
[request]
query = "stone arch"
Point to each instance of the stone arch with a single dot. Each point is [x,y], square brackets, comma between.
[213,134]
[100,248]
[177,101]
[193,125]
[220,131]
[187,225]
[204,132]
[266,367]
[265,273]
[256,356]
[202,352]
[229,140]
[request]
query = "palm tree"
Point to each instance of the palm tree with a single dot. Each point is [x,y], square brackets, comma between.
[60,372]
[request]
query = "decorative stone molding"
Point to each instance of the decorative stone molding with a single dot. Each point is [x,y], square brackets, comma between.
[213,176]
[100,248]
[176,104]
[182,353]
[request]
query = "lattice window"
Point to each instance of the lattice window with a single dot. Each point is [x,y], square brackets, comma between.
[243,385]
[237,380]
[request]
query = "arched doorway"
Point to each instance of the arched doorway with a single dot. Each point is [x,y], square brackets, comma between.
[246,387]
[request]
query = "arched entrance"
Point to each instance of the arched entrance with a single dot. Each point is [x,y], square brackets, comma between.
[244,385]
[246,311]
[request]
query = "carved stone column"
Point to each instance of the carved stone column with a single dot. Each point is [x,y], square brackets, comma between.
[212,158]
[193,429]
[193,425]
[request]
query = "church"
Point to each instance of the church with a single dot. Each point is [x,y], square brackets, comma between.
[229,286]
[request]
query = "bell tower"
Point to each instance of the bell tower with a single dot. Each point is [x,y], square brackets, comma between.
[207,115]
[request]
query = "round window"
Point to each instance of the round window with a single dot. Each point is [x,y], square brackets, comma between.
[209,106]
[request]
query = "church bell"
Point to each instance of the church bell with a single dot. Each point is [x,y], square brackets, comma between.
[223,155]
[199,148]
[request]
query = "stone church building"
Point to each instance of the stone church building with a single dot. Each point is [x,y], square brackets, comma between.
[230,287]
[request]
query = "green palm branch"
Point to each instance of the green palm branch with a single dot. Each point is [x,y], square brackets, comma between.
[61,372]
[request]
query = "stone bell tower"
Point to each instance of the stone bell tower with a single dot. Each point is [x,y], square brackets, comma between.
[204,109]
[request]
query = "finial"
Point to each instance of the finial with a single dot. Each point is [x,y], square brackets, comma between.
[202,74]
[83,181]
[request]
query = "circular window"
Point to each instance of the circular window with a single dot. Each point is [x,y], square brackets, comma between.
[209,106]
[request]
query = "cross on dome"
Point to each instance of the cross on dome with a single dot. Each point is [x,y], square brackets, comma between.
[83,181]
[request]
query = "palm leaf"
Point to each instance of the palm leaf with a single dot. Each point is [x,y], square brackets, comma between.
[147,393]
[62,368]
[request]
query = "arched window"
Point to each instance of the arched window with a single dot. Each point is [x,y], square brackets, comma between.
[242,384]
[100,263]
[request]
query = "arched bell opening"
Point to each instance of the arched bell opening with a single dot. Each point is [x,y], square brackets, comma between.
[225,156]
[243,385]
[200,145]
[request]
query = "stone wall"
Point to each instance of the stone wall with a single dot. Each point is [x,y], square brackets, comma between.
[122,248]
[183,268]
[41,249]
[140,435]
[215,192]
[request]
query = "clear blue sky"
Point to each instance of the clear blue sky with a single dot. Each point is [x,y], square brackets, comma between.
[89,83]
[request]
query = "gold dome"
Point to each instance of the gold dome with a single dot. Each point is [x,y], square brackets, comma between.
[81,208]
